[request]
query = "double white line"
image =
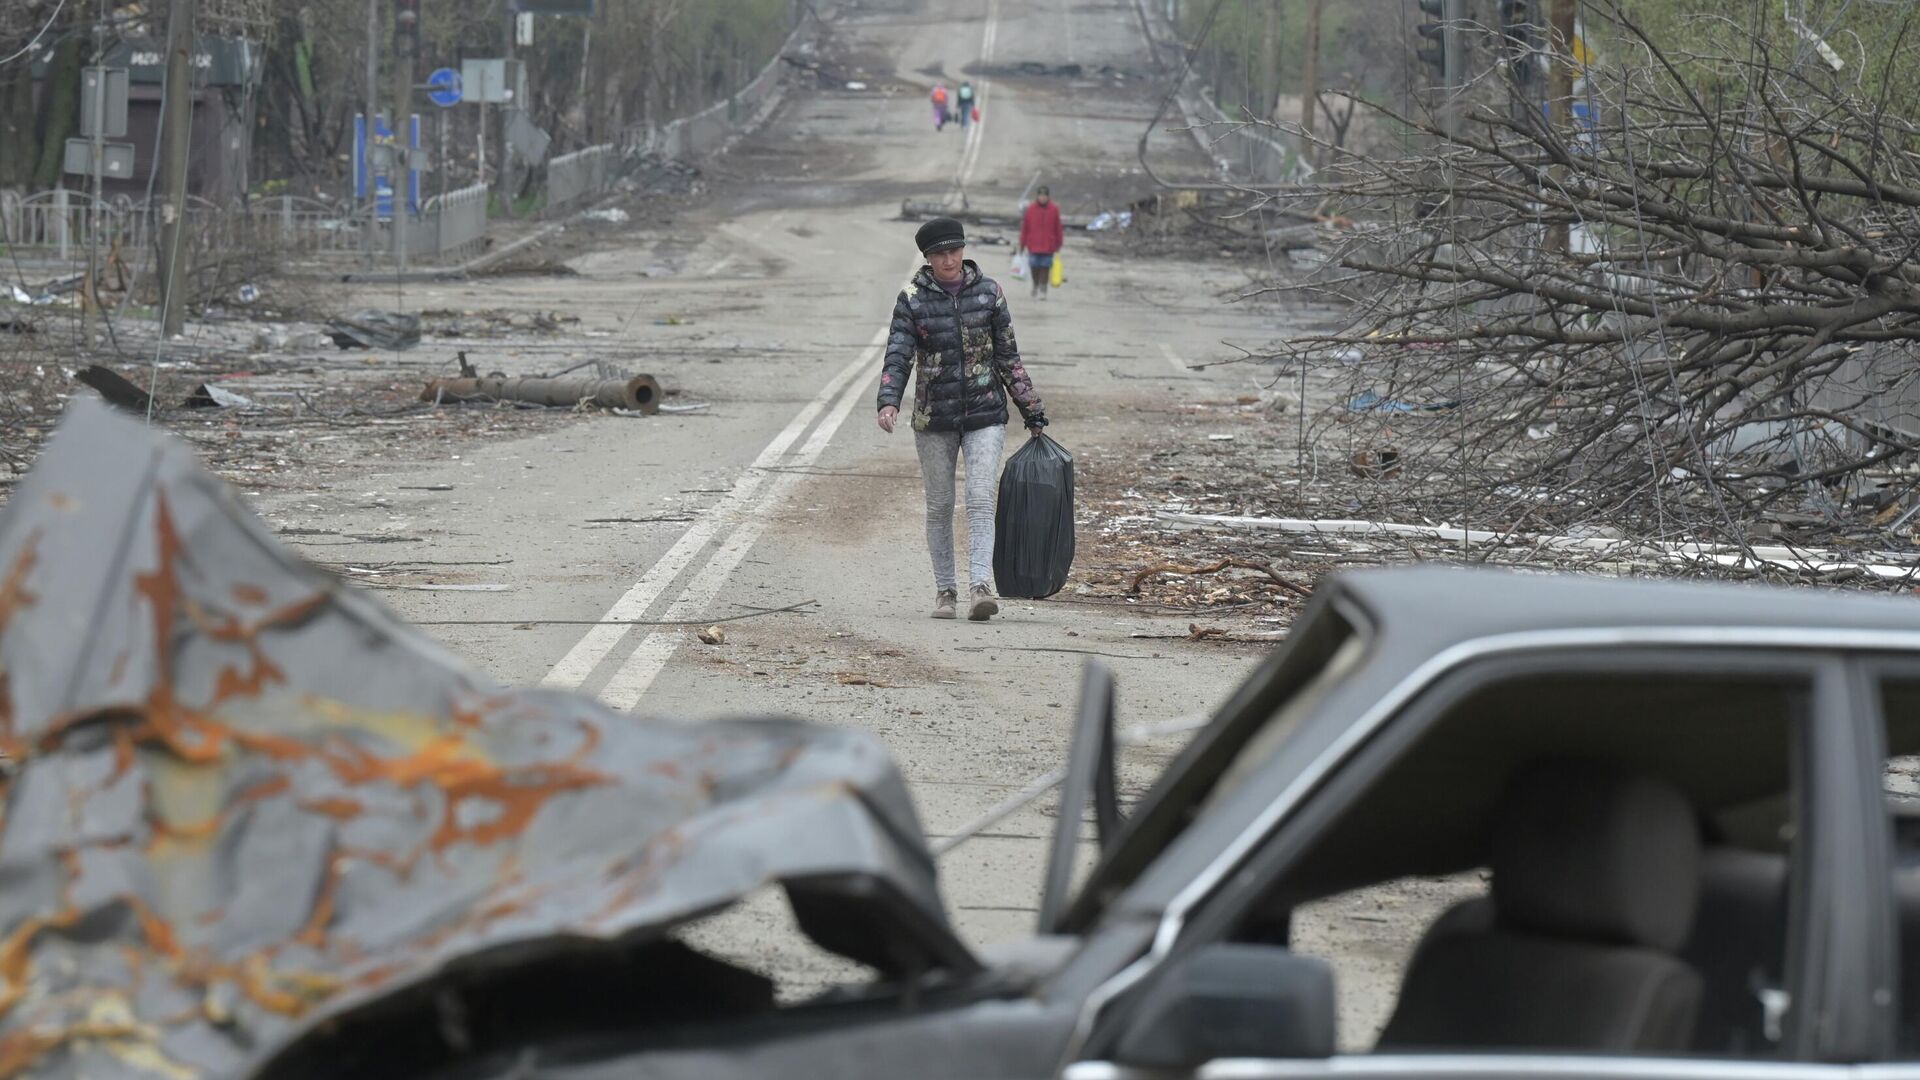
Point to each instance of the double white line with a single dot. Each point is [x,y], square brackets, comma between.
[737,520]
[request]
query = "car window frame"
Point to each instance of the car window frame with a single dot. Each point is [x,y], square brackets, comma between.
[1293,834]
[1521,1066]
[1870,673]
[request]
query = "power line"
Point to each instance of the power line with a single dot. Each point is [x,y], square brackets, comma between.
[29,47]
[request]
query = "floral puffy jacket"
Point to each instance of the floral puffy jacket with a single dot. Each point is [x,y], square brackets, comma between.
[964,347]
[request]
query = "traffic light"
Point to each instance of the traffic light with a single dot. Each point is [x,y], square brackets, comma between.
[1520,40]
[1434,53]
[406,27]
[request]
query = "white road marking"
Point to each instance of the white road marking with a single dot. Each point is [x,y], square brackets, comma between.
[1174,359]
[970,156]
[623,691]
[593,646]
[745,508]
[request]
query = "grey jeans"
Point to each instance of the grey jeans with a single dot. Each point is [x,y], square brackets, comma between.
[939,453]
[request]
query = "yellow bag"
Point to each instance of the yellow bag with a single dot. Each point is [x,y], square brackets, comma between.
[1058,276]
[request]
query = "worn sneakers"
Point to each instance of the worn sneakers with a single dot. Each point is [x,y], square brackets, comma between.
[981,605]
[944,604]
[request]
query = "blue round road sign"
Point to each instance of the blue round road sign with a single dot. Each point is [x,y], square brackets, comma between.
[445,85]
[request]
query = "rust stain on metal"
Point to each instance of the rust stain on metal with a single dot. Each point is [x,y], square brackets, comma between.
[339,807]
[255,739]
[518,795]
[16,956]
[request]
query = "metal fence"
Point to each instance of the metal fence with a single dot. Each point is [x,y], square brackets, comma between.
[711,128]
[580,175]
[58,226]
[459,222]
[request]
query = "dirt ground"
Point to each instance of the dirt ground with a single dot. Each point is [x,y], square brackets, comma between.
[773,500]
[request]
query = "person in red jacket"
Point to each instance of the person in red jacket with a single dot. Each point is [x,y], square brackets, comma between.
[1041,237]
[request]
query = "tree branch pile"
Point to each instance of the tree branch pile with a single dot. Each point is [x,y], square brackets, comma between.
[1699,316]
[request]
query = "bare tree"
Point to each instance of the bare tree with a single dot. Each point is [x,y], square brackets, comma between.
[1728,346]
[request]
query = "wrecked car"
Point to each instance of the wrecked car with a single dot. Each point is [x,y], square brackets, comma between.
[256,826]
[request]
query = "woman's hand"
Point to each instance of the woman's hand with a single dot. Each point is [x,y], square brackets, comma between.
[887,417]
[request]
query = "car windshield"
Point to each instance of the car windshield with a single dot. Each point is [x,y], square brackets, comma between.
[1269,736]
[1325,651]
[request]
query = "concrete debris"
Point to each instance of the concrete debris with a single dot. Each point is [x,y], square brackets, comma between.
[612,215]
[640,393]
[712,635]
[921,210]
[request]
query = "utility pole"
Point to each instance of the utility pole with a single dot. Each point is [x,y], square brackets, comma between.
[505,175]
[1310,79]
[406,45]
[368,238]
[1560,97]
[173,165]
[97,123]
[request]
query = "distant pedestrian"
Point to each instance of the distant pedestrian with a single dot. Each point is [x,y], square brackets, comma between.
[1041,237]
[965,98]
[952,321]
[939,106]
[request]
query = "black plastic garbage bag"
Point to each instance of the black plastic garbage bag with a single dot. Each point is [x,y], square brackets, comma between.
[1033,528]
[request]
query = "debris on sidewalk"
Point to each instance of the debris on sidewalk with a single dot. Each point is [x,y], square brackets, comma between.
[1224,564]
[211,396]
[712,635]
[115,388]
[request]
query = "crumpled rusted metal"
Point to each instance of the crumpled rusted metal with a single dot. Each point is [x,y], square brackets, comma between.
[241,797]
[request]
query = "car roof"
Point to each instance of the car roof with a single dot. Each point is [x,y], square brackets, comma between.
[1412,616]
[1442,606]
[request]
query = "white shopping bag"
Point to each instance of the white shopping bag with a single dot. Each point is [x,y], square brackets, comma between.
[1019,266]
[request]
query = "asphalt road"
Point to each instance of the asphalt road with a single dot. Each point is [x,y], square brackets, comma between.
[768,302]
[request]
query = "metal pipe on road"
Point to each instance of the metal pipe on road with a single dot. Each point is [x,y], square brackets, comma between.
[641,393]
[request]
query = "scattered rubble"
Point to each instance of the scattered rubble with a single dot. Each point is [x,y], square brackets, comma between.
[370,329]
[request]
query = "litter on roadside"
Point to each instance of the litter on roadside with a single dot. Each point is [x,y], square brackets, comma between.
[1369,401]
[371,329]
[209,396]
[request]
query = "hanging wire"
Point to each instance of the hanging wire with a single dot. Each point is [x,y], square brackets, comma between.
[29,46]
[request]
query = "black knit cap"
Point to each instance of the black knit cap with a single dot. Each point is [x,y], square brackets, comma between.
[940,234]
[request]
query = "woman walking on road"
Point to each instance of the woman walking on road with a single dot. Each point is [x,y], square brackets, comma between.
[952,321]
[1041,237]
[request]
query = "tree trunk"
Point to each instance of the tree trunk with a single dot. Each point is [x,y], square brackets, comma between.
[18,154]
[1267,105]
[61,111]
[1310,75]
[1561,98]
